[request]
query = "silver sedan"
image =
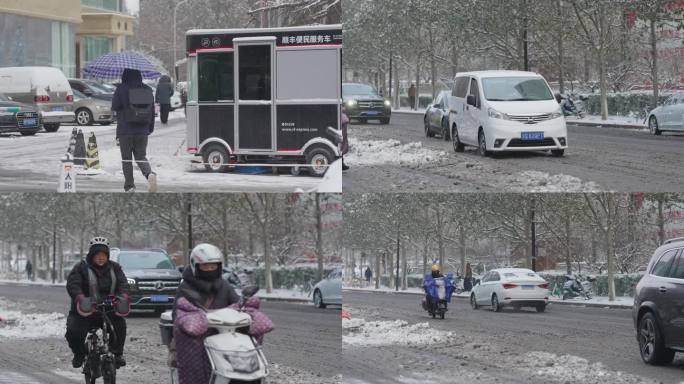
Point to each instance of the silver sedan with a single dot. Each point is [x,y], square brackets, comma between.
[669,116]
[329,290]
[90,110]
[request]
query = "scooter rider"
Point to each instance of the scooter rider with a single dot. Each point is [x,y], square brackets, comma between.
[89,282]
[203,288]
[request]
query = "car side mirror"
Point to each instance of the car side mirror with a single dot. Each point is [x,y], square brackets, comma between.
[250,291]
[436,106]
[471,100]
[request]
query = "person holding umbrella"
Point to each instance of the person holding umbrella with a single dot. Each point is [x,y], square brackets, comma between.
[134,103]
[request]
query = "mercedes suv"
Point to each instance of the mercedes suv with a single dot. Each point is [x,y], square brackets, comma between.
[152,276]
[659,305]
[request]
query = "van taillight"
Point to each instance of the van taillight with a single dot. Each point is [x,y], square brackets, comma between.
[41,99]
[70,98]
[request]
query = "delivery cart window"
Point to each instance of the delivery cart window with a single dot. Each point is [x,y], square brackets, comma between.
[255,72]
[216,76]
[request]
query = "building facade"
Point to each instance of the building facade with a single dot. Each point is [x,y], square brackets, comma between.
[64,34]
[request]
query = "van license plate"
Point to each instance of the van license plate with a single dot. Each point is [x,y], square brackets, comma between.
[159,298]
[30,122]
[57,109]
[532,136]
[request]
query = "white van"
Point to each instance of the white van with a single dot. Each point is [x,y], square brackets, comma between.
[500,111]
[45,88]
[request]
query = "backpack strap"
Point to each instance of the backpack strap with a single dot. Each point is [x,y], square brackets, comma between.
[92,283]
[112,289]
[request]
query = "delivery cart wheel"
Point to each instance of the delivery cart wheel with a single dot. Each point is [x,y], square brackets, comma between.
[216,158]
[319,158]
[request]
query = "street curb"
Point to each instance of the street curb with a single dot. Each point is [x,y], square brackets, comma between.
[575,303]
[606,125]
[285,299]
[10,282]
[400,112]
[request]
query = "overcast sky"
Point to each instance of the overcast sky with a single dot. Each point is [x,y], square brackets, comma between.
[133,5]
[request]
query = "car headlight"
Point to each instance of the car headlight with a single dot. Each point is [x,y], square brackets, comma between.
[556,114]
[101,107]
[388,103]
[351,103]
[131,282]
[243,362]
[493,113]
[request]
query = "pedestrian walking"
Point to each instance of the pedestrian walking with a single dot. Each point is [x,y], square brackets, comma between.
[412,96]
[163,98]
[468,280]
[134,103]
[29,269]
[369,275]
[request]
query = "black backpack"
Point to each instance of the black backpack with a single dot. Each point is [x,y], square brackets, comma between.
[140,109]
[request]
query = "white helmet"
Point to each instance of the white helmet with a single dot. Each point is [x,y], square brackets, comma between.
[99,241]
[204,254]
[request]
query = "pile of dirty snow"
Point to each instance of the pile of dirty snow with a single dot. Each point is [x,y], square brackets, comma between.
[375,152]
[534,181]
[575,369]
[18,325]
[397,332]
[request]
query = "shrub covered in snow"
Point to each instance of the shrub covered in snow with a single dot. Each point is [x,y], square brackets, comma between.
[623,104]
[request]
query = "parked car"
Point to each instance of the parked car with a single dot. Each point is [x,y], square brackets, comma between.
[669,116]
[515,287]
[437,116]
[658,310]
[329,290]
[152,276]
[363,103]
[92,88]
[499,111]
[90,110]
[18,117]
[44,88]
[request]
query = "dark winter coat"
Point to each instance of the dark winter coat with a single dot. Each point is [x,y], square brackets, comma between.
[191,326]
[130,79]
[164,91]
[78,281]
[369,274]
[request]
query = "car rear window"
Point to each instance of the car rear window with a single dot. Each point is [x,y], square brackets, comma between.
[520,275]
[662,267]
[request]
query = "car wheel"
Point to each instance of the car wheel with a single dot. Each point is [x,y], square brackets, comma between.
[28,133]
[653,126]
[651,343]
[541,307]
[496,306]
[473,302]
[319,159]
[456,141]
[482,147]
[216,158]
[84,117]
[51,127]
[318,299]
[385,121]
[363,121]
[445,131]
[428,130]
[557,152]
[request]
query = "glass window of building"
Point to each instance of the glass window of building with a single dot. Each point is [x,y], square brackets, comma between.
[112,5]
[96,46]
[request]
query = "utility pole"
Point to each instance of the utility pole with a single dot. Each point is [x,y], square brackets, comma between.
[390,77]
[54,252]
[526,26]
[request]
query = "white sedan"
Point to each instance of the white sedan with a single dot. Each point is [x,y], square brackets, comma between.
[515,287]
[669,116]
[329,290]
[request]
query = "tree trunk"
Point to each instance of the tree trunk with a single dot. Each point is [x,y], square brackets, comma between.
[654,59]
[266,239]
[377,271]
[568,236]
[319,238]
[610,247]
[404,267]
[433,67]
[463,248]
[561,50]
[661,221]
[602,62]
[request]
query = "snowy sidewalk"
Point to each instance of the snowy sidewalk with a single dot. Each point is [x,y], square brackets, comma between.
[599,301]
[612,122]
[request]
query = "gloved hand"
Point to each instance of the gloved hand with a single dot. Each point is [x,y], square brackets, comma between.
[123,305]
[85,306]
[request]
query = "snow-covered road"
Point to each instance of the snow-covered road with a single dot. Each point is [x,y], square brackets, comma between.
[399,158]
[304,347]
[33,164]
[390,339]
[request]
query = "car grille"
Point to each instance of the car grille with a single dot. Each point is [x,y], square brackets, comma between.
[377,105]
[158,285]
[27,115]
[530,119]
[548,142]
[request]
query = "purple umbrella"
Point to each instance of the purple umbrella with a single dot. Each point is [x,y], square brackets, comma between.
[112,65]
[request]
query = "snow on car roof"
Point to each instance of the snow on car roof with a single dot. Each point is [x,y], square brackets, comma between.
[498,73]
[254,30]
[513,270]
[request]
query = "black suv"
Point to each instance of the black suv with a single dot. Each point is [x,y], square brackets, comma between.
[363,103]
[152,276]
[659,305]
